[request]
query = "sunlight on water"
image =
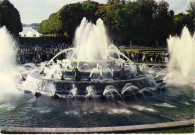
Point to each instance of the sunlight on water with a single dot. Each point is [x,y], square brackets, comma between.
[142,108]
[165,105]
[7,106]
[120,111]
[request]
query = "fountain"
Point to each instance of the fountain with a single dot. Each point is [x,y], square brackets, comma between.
[181,68]
[99,76]
[93,62]
[8,83]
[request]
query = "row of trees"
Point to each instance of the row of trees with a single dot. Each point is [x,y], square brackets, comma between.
[10,17]
[185,19]
[65,21]
[142,21]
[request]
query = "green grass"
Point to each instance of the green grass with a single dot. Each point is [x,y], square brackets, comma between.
[179,130]
[152,63]
[151,50]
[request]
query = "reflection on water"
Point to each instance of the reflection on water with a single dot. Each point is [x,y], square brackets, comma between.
[171,104]
[165,105]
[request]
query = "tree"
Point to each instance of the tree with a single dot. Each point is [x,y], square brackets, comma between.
[116,1]
[133,20]
[140,21]
[89,9]
[163,19]
[67,19]
[191,14]
[191,9]
[10,17]
[182,20]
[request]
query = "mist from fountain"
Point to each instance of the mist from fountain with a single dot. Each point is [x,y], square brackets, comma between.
[182,58]
[8,83]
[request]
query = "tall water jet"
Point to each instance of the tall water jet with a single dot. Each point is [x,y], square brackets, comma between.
[182,56]
[7,60]
[91,41]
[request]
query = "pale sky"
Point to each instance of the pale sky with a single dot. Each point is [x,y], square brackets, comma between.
[34,11]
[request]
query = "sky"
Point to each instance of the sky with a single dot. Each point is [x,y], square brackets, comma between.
[35,11]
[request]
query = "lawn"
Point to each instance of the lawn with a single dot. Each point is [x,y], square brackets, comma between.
[150,50]
[179,130]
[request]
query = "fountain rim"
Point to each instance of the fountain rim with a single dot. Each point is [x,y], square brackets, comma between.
[111,129]
[97,80]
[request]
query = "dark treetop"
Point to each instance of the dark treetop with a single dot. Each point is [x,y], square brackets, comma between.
[10,17]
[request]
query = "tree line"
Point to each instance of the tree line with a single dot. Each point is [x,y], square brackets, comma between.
[143,22]
[10,17]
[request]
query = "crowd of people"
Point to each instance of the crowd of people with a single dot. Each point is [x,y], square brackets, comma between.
[152,57]
[39,53]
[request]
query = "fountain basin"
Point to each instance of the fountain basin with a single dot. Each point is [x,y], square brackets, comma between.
[63,87]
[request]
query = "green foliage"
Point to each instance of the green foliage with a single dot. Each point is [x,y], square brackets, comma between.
[191,16]
[10,17]
[89,9]
[52,26]
[116,1]
[163,20]
[182,20]
[67,19]
[183,130]
[140,21]
[191,9]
